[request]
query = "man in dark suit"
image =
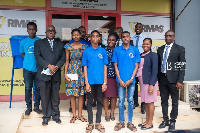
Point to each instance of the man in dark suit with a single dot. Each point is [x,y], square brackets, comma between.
[50,57]
[171,72]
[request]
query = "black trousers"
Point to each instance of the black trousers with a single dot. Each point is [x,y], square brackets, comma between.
[50,100]
[90,95]
[167,88]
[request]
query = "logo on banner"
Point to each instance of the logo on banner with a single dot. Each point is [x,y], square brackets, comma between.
[2,21]
[19,23]
[132,26]
[147,28]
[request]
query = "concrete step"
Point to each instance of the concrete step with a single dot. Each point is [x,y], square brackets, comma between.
[188,119]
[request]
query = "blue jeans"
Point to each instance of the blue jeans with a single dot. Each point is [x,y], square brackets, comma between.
[122,95]
[29,78]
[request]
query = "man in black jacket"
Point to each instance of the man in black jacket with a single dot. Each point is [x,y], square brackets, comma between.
[50,57]
[171,72]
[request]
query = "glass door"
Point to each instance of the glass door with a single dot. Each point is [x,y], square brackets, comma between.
[105,23]
[64,22]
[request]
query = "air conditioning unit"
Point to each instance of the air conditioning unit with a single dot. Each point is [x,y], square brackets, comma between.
[191,93]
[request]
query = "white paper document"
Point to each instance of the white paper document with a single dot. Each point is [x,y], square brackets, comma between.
[73,76]
[46,71]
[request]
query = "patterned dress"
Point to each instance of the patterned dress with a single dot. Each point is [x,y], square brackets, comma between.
[111,90]
[75,87]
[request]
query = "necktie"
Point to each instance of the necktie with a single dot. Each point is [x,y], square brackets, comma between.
[51,44]
[163,67]
[137,40]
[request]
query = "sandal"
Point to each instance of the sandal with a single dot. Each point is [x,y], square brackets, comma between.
[81,118]
[99,127]
[73,119]
[107,118]
[89,128]
[131,127]
[119,126]
[112,118]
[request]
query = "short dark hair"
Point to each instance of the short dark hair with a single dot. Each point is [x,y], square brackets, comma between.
[32,23]
[139,23]
[76,30]
[114,34]
[81,27]
[125,32]
[95,31]
[148,39]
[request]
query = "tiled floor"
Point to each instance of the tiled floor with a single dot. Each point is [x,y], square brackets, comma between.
[13,120]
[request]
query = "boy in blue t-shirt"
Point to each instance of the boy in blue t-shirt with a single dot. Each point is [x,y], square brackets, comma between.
[94,61]
[126,59]
[29,69]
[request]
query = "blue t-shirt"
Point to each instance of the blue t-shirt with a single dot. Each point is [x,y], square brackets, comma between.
[126,60]
[95,59]
[27,47]
[81,41]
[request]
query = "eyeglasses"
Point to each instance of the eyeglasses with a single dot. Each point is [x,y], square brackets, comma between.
[169,36]
[54,31]
[83,31]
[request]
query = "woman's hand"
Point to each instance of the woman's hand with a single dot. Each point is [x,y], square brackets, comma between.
[150,89]
[104,87]
[67,79]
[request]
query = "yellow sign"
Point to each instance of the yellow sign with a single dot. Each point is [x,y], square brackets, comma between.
[30,3]
[155,6]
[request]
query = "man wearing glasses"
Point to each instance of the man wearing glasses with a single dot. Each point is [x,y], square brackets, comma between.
[50,57]
[171,72]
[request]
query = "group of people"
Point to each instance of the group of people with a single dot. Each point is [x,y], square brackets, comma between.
[107,72]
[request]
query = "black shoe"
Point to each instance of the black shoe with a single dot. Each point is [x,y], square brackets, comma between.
[37,110]
[136,105]
[57,120]
[45,122]
[141,125]
[145,128]
[164,124]
[28,111]
[70,109]
[84,107]
[171,126]
[143,108]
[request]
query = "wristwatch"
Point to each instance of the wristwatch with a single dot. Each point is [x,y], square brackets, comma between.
[132,78]
[105,83]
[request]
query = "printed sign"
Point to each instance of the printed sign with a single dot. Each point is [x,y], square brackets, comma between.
[85,4]
[66,34]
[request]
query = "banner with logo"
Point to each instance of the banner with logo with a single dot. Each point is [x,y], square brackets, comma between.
[85,4]
[14,22]
[153,26]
